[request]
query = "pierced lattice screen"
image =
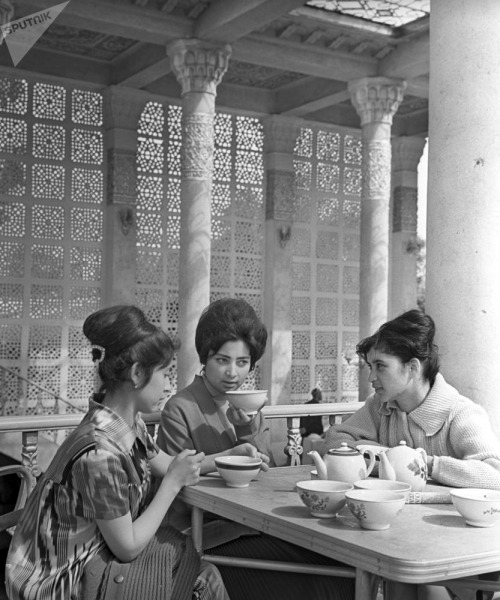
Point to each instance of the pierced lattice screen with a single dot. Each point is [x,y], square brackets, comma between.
[325,297]
[51,241]
[237,214]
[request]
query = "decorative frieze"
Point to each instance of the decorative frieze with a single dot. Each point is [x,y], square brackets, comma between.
[376,99]
[405,209]
[198,146]
[376,169]
[122,177]
[198,65]
[280,195]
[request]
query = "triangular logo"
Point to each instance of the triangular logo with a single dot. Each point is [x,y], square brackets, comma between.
[21,35]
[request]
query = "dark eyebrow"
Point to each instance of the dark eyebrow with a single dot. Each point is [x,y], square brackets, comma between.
[246,356]
[377,361]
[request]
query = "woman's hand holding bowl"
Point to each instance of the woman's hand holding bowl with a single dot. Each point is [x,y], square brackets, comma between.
[248,449]
[238,417]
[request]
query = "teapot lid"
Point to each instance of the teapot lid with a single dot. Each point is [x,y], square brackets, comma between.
[344,450]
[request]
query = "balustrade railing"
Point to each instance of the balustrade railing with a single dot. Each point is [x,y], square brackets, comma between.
[30,427]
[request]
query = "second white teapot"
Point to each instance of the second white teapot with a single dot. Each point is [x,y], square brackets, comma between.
[403,463]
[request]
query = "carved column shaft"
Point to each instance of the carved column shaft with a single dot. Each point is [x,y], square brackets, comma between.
[122,110]
[280,135]
[376,100]
[406,154]
[199,67]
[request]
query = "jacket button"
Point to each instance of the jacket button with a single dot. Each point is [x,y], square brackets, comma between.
[119,579]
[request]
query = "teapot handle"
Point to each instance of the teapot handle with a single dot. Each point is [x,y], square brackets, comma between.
[371,463]
[423,454]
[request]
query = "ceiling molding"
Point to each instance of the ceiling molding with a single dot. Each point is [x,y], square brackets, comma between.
[319,104]
[228,21]
[408,60]
[301,58]
[142,24]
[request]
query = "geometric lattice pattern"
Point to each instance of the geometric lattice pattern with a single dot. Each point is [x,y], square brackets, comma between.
[325,247]
[51,242]
[237,213]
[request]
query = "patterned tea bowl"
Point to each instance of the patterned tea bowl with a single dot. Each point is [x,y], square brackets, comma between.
[324,498]
[386,485]
[479,508]
[375,509]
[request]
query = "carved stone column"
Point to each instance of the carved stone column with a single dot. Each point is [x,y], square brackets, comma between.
[376,100]
[122,109]
[199,67]
[406,154]
[280,134]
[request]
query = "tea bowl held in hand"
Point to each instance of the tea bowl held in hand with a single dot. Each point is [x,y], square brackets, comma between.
[238,471]
[385,485]
[479,508]
[375,509]
[251,401]
[323,498]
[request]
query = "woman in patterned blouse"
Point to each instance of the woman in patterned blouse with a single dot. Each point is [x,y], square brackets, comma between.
[92,526]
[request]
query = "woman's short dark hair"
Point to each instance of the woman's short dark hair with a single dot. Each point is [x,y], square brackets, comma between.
[126,337]
[226,320]
[411,335]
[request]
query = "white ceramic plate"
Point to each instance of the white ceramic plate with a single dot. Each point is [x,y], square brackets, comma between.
[375,449]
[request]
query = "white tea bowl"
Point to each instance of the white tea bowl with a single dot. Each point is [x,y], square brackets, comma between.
[251,401]
[385,485]
[324,498]
[238,471]
[375,509]
[479,507]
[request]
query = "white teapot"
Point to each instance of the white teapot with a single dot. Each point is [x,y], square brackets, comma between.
[343,464]
[403,463]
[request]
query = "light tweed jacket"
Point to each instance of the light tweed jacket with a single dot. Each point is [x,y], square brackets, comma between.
[448,426]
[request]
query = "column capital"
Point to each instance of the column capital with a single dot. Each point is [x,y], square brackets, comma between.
[407,152]
[198,65]
[376,99]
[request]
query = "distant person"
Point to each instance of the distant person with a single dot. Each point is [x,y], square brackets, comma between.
[313,424]
[92,527]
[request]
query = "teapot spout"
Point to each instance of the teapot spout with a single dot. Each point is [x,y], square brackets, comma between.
[319,463]
[386,470]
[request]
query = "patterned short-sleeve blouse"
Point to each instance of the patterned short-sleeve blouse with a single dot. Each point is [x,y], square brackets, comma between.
[101,471]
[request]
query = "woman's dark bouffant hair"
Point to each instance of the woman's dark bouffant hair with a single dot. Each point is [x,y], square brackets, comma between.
[127,337]
[229,319]
[411,335]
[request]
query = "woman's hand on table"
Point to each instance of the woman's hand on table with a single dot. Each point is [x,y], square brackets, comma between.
[250,450]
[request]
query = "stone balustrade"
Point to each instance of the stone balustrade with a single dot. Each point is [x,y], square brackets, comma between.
[30,427]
